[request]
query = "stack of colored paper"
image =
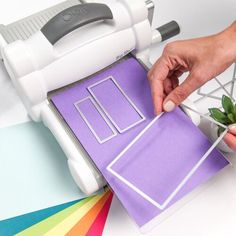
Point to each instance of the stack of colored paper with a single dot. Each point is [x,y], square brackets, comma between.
[78,218]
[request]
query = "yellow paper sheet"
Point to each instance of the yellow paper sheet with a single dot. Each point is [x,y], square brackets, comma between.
[67,224]
[44,226]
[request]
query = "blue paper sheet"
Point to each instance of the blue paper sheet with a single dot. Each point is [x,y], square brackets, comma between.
[15,225]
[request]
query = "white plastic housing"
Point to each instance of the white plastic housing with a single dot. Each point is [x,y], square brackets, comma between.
[37,67]
[86,176]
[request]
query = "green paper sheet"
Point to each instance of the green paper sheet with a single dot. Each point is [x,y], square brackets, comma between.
[49,223]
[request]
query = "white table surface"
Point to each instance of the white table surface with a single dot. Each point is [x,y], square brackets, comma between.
[211,213]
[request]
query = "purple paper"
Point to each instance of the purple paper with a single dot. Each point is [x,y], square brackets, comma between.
[94,119]
[166,153]
[177,143]
[103,98]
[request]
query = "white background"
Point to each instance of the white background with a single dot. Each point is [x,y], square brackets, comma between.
[213,212]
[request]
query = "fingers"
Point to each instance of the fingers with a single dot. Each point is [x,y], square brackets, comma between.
[180,93]
[157,83]
[163,79]
[160,69]
[175,82]
[157,90]
[168,85]
[230,139]
[232,129]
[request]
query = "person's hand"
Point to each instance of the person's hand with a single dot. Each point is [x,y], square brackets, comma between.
[230,137]
[204,58]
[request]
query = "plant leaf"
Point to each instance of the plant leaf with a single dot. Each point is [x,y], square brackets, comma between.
[231,117]
[227,104]
[220,130]
[234,113]
[219,116]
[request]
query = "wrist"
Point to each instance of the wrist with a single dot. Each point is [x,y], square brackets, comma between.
[228,41]
[232,28]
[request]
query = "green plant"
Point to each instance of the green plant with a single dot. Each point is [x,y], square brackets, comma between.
[227,116]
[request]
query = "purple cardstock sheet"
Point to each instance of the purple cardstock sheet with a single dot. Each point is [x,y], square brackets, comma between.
[167,153]
[121,122]
[161,159]
[93,117]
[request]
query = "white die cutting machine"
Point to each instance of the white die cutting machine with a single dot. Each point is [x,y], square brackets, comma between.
[70,42]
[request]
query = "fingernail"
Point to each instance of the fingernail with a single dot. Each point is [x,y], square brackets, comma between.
[233,128]
[169,106]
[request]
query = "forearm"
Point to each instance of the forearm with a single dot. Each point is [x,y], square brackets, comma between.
[228,41]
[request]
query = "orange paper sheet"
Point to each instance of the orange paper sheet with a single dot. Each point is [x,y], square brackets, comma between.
[97,227]
[82,227]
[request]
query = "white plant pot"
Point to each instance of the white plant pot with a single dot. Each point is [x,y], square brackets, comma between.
[214,136]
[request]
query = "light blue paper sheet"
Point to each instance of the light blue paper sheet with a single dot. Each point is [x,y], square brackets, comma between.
[33,171]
